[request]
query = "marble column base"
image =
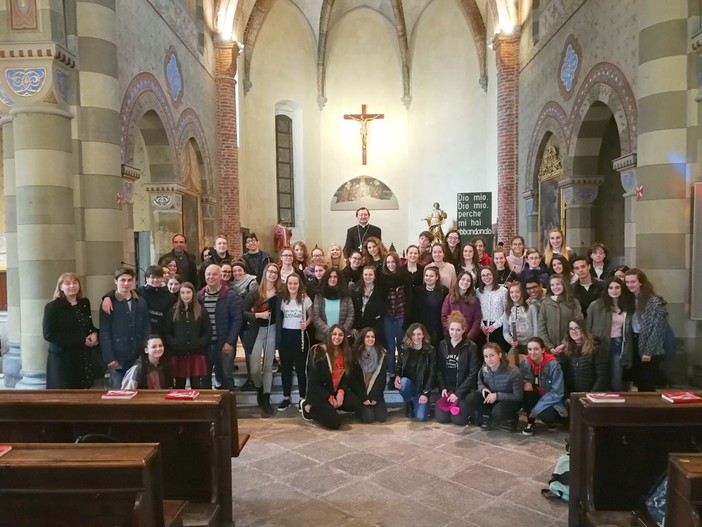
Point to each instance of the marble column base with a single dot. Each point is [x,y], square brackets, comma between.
[12,364]
[32,380]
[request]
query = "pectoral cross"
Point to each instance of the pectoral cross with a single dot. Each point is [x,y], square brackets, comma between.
[363,118]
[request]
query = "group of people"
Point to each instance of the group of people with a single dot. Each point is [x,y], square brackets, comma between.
[360,319]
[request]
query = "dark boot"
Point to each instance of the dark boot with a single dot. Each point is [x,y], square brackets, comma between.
[259,397]
[248,386]
[266,408]
[409,411]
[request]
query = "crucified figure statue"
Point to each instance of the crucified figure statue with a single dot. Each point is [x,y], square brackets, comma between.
[363,118]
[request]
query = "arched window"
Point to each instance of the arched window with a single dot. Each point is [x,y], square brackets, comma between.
[284,169]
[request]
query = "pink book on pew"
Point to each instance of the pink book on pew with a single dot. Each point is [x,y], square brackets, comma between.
[681,397]
[605,397]
[119,394]
[182,395]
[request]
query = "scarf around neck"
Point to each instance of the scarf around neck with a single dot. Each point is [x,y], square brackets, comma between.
[368,360]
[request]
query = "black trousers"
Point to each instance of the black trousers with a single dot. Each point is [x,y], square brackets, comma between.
[645,374]
[293,354]
[328,416]
[499,411]
[461,419]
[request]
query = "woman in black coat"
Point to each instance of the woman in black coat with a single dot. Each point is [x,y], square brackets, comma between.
[428,301]
[367,377]
[187,334]
[68,327]
[368,304]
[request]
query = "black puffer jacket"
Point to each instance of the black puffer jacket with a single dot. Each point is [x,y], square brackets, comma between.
[585,372]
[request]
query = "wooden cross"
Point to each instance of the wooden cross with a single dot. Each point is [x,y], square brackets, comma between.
[364,118]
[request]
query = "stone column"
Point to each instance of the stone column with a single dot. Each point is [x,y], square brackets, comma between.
[626,166]
[579,194]
[531,236]
[166,202]
[98,100]
[507,56]
[662,213]
[227,54]
[11,362]
[45,224]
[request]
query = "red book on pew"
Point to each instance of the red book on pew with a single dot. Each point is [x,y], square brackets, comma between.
[182,395]
[681,397]
[605,397]
[4,449]
[119,394]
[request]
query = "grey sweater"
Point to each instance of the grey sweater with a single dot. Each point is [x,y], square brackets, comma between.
[506,382]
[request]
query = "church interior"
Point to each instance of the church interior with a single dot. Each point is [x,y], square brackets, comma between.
[125,123]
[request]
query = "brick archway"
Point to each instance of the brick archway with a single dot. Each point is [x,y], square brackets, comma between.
[144,94]
[605,92]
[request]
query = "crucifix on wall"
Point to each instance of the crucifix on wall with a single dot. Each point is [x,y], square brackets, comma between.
[363,118]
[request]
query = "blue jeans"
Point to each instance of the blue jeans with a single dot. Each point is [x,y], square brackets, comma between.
[409,392]
[117,374]
[223,364]
[392,327]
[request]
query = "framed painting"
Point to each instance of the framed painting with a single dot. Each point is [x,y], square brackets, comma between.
[551,202]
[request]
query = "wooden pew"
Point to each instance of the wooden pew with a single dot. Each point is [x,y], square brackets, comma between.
[619,451]
[197,438]
[684,498]
[89,485]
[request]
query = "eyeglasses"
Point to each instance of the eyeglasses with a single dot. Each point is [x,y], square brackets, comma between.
[272,271]
[226,272]
[577,329]
[286,255]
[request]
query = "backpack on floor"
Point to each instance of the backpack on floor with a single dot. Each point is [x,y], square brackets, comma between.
[558,485]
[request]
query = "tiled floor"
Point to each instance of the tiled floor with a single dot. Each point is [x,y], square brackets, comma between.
[401,473]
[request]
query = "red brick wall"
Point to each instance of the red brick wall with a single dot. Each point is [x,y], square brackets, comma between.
[227,149]
[507,56]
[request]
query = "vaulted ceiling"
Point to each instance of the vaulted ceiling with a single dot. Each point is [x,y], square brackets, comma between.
[242,20]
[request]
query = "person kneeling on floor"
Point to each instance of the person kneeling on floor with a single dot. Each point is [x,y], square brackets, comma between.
[543,387]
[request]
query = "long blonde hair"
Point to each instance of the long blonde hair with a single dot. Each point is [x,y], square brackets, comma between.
[341,261]
[68,276]
[548,250]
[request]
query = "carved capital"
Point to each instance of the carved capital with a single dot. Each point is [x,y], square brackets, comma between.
[626,166]
[625,162]
[209,207]
[580,191]
[530,197]
[166,197]
[131,173]
[35,78]
[227,57]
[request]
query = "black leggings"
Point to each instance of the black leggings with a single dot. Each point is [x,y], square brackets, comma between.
[549,416]
[179,383]
[293,353]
